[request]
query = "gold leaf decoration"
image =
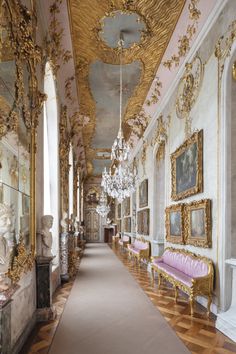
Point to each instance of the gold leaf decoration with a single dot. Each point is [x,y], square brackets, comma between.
[185,40]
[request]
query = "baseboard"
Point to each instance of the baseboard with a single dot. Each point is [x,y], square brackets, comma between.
[24,335]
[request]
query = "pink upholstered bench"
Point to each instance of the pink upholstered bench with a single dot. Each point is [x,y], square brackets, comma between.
[124,241]
[140,249]
[186,271]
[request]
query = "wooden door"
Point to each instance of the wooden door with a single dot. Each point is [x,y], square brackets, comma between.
[91,225]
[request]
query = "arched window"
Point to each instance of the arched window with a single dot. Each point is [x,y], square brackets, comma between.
[51,160]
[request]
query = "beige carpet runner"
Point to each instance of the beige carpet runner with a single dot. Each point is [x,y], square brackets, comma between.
[108,313]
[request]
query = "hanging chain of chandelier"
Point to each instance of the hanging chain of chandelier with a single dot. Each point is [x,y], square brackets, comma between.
[120,183]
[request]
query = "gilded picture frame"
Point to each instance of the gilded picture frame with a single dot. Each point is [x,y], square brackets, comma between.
[143,194]
[174,222]
[143,222]
[187,168]
[198,223]
[119,211]
[126,205]
[127,224]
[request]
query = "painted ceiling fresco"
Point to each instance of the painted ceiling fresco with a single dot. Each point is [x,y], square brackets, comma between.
[147,26]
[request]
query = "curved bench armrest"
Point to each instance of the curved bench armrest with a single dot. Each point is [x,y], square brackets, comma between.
[206,281]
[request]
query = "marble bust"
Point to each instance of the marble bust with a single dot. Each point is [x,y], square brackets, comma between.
[6,221]
[47,222]
[64,222]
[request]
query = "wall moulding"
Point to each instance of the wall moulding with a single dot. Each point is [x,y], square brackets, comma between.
[19,23]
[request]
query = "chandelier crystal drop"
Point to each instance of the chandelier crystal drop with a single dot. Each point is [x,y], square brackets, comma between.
[121,183]
[102,208]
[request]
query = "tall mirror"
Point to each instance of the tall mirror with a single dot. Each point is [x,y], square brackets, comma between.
[15,155]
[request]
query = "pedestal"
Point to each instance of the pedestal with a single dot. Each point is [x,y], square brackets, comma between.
[64,256]
[226,321]
[5,319]
[45,310]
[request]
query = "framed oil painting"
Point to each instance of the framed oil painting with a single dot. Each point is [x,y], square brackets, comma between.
[143,194]
[143,222]
[126,205]
[187,168]
[127,224]
[198,219]
[119,211]
[175,224]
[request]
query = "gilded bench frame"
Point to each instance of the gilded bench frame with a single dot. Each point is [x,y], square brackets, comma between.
[201,286]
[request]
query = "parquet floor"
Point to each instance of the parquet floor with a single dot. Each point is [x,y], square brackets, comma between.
[42,336]
[198,332]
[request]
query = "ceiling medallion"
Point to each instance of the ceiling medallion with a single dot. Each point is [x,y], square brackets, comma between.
[133,27]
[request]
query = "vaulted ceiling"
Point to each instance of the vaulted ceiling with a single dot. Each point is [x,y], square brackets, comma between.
[147,26]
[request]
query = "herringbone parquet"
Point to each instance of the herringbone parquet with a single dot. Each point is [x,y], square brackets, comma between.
[198,332]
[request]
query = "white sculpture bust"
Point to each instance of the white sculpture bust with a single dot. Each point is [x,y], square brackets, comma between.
[6,221]
[47,222]
[64,222]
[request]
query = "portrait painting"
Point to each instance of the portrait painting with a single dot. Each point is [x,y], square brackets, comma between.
[126,205]
[143,222]
[175,223]
[127,224]
[119,211]
[186,168]
[198,218]
[143,194]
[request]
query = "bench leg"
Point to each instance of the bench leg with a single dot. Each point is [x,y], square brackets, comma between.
[153,276]
[176,293]
[191,304]
[159,280]
[209,305]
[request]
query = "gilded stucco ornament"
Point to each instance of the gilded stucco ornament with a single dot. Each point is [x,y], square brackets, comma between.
[234,71]
[28,100]
[138,124]
[156,93]
[88,47]
[224,45]
[161,136]
[53,40]
[22,263]
[185,40]
[188,91]
[64,148]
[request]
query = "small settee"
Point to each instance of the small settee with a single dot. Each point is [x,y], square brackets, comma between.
[191,273]
[124,241]
[139,249]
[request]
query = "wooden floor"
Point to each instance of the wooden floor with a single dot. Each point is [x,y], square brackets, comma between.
[198,332]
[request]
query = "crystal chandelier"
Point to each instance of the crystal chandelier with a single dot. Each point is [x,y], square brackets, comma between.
[102,208]
[120,184]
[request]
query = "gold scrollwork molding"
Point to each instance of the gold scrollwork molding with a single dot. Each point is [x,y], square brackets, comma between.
[185,40]
[88,47]
[138,123]
[234,71]
[22,263]
[64,148]
[53,40]
[224,45]
[156,93]
[188,91]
